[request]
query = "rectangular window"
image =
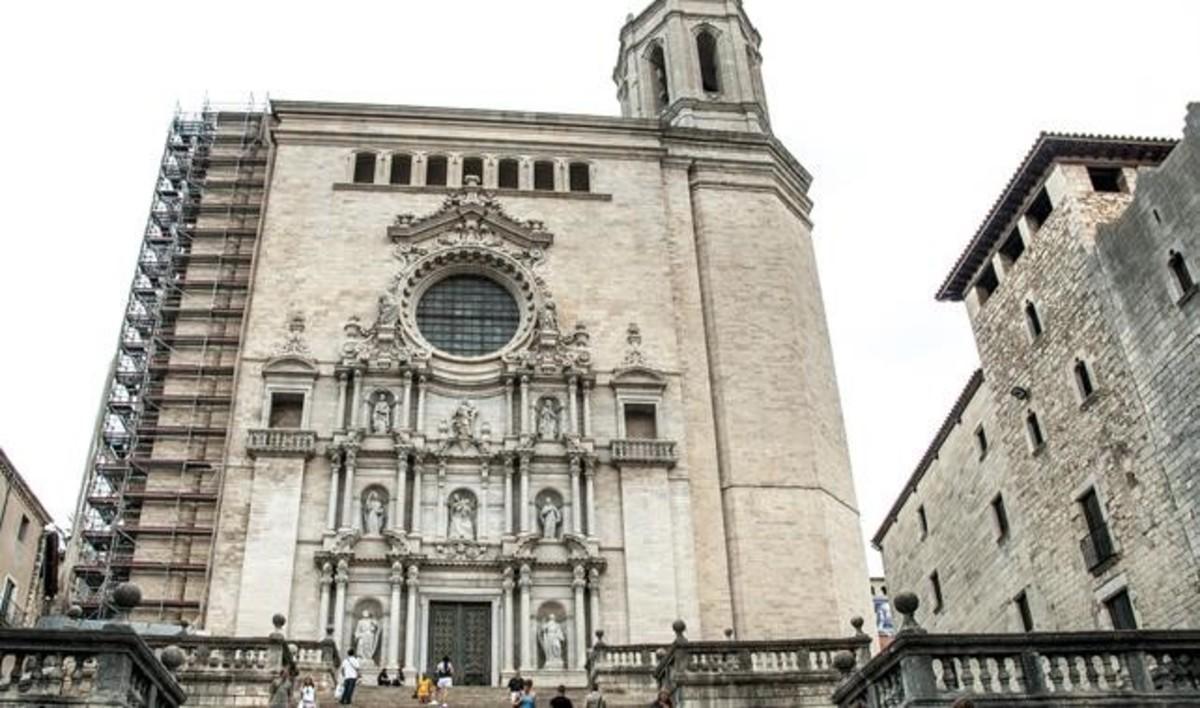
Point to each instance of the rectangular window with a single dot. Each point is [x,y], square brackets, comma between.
[472,167]
[581,177]
[435,171]
[640,421]
[1107,179]
[1120,611]
[287,410]
[1001,515]
[1039,210]
[364,168]
[508,176]
[543,175]
[987,283]
[1013,246]
[1083,380]
[935,583]
[401,169]
[1183,276]
[1033,428]
[1022,603]
[23,528]
[923,520]
[1033,320]
[1097,546]
[981,442]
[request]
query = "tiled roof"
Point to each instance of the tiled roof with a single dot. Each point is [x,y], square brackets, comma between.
[931,453]
[1046,149]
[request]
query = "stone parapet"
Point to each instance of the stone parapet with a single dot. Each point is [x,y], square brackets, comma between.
[644,452]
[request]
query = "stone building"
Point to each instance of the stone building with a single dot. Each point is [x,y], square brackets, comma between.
[484,383]
[23,520]
[1057,494]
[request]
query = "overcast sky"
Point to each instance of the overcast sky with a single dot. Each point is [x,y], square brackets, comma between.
[910,115]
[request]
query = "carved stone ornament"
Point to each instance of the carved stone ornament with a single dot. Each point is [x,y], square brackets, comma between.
[460,550]
[293,343]
[398,543]
[634,356]
[342,542]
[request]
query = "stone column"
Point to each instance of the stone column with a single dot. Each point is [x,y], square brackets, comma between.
[508,492]
[410,622]
[335,461]
[406,401]
[506,634]
[357,404]
[524,462]
[525,405]
[525,581]
[443,519]
[594,597]
[508,407]
[339,603]
[341,409]
[421,403]
[397,520]
[589,476]
[587,407]
[349,518]
[323,616]
[572,411]
[578,584]
[576,498]
[418,468]
[396,578]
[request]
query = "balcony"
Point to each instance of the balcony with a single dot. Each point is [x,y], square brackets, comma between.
[640,451]
[281,442]
[1097,548]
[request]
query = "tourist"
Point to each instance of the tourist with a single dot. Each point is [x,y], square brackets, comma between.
[308,694]
[516,686]
[561,700]
[383,679]
[595,699]
[528,697]
[350,668]
[399,679]
[445,680]
[663,700]
[424,689]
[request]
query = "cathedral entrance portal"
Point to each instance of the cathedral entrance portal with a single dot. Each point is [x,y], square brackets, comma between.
[462,631]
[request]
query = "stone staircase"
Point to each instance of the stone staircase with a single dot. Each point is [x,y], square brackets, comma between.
[460,697]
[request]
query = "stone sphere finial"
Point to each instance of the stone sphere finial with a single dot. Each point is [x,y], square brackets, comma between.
[679,626]
[599,636]
[278,619]
[857,623]
[75,612]
[125,597]
[844,662]
[729,633]
[172,658]
[907,603]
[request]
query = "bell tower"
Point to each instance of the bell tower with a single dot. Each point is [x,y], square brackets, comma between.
[693,64]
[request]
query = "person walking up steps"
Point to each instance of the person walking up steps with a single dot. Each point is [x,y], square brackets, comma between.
[528,698]
[350,667]
[561,700]
[445,680]
[595,699]
[516,686]
[308,694]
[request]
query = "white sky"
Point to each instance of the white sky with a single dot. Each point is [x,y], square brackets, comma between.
[910,115]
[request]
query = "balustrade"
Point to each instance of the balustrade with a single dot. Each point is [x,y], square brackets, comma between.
[644,451]
[282,442]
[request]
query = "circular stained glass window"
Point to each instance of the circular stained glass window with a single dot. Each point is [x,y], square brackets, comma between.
[468,315]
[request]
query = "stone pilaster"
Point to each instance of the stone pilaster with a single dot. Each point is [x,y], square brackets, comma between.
[396,579]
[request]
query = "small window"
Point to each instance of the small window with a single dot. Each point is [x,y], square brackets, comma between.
[935,583]
[981,442]
[923,520]
[1039,210]
[1120,611]
[1107,179]
[401,169]
[1032,319]
[658,74]
[1179,269]
[1001,515]
[581,177]
[987,283]
[706,47]
[23,528]
[640,421]
[1083,380]
[472,167]
[509,174]
[1097,546]
[1013,246]
[364,168]
[287,410]
[1033,428]
[1022,603]
[435,171]
[10,589]
[543,175]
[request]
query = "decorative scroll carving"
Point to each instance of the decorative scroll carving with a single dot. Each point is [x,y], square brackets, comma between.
[293,343]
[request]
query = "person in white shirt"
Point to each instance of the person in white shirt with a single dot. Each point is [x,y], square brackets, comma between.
[350,667]
[445,679]
[308,694]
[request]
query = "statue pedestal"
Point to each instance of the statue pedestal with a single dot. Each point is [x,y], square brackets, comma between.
[546,680]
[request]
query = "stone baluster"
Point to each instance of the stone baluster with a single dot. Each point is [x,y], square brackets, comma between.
[335,461]
[594,597]
[587,407]
[506,636]
[418,470]
[578,583]
[589,476]
[396,578]
[397,518]
[525,582]
[323,609]
[349,517]
[341,409]
[525,461]
[410,621]
[526,405]
[402,422]
[572,410]
[576,498]
[508,492]
[339,603]
[508,408]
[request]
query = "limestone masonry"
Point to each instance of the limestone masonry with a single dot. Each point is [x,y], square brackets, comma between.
[1060,492]
[484,383]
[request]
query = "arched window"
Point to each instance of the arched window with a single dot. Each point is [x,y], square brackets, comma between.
[364,168]
[435,171]
[1179,269]
[472,166]
[543,175]
[581,177]
[658,76]
[509,174]
[710,72]
[401,169]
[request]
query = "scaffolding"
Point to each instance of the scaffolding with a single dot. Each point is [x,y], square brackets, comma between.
[147,510]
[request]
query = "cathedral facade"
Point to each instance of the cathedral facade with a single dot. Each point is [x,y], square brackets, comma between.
[507,381]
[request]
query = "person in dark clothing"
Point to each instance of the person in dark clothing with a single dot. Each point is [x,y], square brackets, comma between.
[516,686]
[561,700]
[383,678]
[663,700]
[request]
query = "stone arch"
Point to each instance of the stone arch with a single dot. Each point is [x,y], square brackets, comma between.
[708,54]
[462,515]
[551,512]
[373,509]
[657,75]
[370,650]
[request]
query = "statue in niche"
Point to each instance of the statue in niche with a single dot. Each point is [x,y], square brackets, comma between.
[548,419]
[548,318]
[462,518]
[366,636]
[388,309]
[551,518]
[381,415]
[463,421]
[374,513]
[553,641]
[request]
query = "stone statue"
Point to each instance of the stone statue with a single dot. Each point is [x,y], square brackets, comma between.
[551,517]
[388,309]
[553,641]
[381,416]
[374,513]
[366,636]
[462,518]
[463,422]
[548,318]
[547,420]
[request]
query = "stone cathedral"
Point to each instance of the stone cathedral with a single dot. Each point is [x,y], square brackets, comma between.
[507,380]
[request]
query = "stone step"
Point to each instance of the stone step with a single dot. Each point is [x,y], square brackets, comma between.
[460,697]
